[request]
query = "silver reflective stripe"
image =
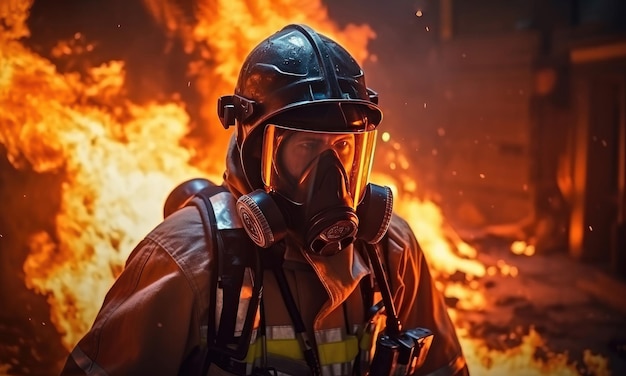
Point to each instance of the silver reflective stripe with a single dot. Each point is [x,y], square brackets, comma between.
[321,336]
[330,335]
[454,366]
[225,211]
[280,332]
[86,364]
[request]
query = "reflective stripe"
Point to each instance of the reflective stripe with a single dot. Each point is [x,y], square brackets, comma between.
[338,352]
[336,358]
[224,209]
[289,348]
[255,351]
[86,364]
[366,341]
[280,332]
[329,335]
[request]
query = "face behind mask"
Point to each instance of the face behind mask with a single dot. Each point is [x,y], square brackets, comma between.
[319,209]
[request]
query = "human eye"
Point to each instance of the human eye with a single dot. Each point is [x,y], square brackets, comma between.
[343,146]
[308,146]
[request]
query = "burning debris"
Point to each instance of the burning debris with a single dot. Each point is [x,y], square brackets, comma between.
[104,162]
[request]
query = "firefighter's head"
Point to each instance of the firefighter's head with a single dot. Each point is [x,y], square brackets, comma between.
[305,134]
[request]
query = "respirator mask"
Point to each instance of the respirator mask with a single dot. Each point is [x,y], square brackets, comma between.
[316,187]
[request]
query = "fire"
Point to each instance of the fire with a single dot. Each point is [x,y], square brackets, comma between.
[509,362]
[120,159]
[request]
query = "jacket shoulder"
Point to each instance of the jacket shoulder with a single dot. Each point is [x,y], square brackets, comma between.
[183,237]
[401,234]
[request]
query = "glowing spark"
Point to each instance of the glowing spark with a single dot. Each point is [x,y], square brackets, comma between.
[529,251]
[518,247]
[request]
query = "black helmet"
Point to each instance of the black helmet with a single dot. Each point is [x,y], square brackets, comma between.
[296,69]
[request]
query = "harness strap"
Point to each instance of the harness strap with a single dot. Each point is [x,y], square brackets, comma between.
[307,347]
[209,223]
[231,281]
[233,252]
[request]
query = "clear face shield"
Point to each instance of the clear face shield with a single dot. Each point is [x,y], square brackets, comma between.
[316,181]
[292,159]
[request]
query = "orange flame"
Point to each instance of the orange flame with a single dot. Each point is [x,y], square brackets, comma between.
[485,361]
[118,161]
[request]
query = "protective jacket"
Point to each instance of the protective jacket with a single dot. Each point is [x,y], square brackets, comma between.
[154,318]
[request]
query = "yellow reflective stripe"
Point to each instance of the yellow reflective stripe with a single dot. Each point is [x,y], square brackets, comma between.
[366,341]
[289,348]
[330,353]
[255,350]
[338,352]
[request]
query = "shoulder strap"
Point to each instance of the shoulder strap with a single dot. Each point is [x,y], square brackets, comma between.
[213,240]
[369,285]
[233,252]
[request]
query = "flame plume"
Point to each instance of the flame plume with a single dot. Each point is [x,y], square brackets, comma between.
[118,161]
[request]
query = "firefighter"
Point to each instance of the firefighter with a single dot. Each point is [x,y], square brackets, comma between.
[296,264]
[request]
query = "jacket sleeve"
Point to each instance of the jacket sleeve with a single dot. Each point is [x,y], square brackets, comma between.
[143,326]
[420,303]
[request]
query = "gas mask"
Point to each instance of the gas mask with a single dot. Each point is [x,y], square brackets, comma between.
[316,188]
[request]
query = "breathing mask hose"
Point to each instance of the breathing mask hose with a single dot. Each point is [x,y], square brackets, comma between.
[393,323]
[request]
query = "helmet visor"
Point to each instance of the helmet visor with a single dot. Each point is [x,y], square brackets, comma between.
[290,155]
